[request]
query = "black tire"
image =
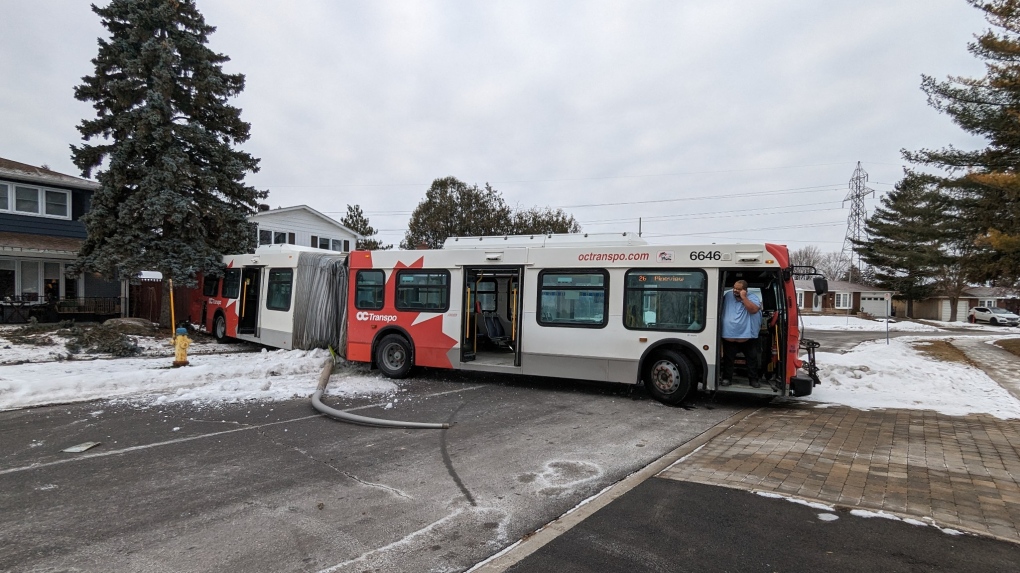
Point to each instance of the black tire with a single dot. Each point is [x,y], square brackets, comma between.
[220,329]
[393,356]
[669,377]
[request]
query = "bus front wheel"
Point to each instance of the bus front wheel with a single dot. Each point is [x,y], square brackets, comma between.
[393,356]
[220,328]
[668,377]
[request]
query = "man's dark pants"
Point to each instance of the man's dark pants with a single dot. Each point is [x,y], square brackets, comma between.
[750,350]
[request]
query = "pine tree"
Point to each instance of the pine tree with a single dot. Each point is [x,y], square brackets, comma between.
[903,245]
[171,195]
[986,182]
[356,221]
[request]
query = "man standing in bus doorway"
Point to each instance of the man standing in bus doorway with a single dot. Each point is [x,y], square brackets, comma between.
[741,322]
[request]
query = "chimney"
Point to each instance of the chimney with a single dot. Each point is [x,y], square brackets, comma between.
[263,207]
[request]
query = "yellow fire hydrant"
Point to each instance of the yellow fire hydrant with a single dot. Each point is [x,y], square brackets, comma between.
[181,344]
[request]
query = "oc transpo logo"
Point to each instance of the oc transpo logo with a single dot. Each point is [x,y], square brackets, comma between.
[380,317]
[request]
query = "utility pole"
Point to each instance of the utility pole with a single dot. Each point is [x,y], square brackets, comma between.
[855,230]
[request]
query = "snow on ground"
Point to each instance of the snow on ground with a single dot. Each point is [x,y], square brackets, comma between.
[859,324]
[981,326]
[872,375]
[876,375]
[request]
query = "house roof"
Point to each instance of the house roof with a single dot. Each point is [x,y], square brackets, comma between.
[20,243]
[280,210]
[26,172]
[839,286]
[989,292]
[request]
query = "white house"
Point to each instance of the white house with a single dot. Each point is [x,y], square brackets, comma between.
[302,225]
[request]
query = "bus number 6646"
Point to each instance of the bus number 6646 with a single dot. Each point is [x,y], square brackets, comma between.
[706,255]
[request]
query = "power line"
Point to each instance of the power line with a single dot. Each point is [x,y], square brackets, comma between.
[606,178]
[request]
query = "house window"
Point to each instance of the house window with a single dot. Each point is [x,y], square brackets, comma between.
[843,300]
[800,299]
[988,303]
[279,238]
[7,279]
[30,280]
[573,298]
[56,203]
[51,281]
[278,291]
[4,201]
[338,245]
[347,246]
[26,199]
[265,237]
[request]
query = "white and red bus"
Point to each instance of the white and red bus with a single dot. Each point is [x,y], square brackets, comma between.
[284,296]
[575,306]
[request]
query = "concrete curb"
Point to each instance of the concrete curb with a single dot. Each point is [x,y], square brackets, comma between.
[535,541]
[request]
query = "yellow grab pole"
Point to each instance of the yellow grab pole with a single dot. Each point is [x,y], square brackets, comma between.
[173,322]
[513,317]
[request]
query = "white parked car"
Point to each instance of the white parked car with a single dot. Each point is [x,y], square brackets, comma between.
[993,315]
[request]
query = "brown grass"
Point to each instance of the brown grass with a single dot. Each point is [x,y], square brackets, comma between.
[944,351]
[1010,344]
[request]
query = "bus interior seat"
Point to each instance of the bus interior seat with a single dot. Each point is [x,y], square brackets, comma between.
[494,329]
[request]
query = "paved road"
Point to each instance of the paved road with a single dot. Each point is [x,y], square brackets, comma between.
[672,526]
[275,487]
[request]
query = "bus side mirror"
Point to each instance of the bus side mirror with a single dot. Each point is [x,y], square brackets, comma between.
[821,285]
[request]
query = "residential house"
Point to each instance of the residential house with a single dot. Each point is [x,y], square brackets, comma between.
[844,297]
[938,307]
[302,225]
[40,235]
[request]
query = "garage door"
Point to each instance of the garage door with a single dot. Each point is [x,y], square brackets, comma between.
[874,305]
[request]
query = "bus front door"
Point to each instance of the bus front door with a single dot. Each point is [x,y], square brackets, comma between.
[248,313]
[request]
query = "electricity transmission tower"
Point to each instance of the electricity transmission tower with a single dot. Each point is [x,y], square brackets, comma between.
[855,230]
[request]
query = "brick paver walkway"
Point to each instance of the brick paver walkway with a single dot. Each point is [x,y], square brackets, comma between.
[961,471]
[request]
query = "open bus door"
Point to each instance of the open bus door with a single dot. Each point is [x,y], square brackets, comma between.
[248,317]
[490,327]
[768,286]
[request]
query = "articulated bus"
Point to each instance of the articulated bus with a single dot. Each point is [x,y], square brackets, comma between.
[284,296]
[575,306]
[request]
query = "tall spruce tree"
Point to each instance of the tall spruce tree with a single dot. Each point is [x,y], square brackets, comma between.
[356,221]
[986,182]
[903,245]
[171,195]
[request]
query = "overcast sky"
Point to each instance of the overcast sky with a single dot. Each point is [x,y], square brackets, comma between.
[713,121]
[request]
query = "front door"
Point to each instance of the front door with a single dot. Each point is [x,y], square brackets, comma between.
[248,315]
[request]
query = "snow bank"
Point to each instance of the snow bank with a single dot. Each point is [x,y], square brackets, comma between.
[859,324]
[876,375]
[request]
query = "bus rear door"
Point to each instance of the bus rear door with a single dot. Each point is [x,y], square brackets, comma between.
[248,317]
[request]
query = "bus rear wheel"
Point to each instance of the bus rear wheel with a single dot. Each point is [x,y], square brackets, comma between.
[220,329]
[668,377]
[393,356]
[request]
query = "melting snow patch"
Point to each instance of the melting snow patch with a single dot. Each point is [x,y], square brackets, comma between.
[811,504]
[869,514]
[828,516]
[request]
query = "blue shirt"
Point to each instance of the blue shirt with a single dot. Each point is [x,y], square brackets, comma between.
[736,321]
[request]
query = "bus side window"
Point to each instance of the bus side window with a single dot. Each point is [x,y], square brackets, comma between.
[210,286]
[278,292]
[232,283]
[368,292]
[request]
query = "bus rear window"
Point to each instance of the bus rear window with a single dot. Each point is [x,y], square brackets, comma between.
[657,299]
[573,298]
[278,291]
